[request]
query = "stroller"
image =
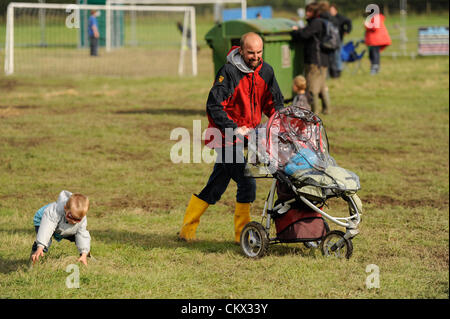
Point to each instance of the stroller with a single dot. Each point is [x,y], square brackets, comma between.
[292,150]
[349,54]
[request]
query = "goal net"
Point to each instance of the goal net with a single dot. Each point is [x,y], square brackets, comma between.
[52,39]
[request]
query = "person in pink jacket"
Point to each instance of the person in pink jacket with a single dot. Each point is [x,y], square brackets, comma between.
[377,39]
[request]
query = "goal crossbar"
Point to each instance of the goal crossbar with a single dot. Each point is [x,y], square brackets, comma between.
[190,2]
[9,46]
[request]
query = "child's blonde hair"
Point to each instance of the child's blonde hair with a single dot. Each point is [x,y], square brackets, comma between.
[300,82]
[78,205]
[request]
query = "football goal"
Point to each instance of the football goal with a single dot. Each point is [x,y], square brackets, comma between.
[142,40]
[200,4]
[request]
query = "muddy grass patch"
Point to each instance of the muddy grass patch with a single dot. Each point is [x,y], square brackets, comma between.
[8,84]
[386,200]
[26,142]
[11,110]
[150,205]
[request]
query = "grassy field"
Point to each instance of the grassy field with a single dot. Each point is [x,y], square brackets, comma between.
[109,138]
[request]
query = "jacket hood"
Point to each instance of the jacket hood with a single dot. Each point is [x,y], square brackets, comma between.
[63,197]
[236,59]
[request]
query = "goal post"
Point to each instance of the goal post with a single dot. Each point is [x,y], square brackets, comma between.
[9,41]
[24,30]
[188,23]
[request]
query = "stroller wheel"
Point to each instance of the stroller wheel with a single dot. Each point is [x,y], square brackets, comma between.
[327,227]
[254,240]
[335,244]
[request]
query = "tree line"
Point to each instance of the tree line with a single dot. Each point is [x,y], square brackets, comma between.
[357,7]
[354,7]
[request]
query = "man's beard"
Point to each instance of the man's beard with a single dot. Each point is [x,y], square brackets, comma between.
[253,64]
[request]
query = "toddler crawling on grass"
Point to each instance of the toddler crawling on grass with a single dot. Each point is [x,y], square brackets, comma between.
[63,219]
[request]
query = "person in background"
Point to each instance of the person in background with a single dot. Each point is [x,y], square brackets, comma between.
[344,25]
[93,33]
[299,88]
[377,39]
[316,61]
[188,35]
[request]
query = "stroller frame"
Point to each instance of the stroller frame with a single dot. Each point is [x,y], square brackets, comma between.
[350,223]
[255,237]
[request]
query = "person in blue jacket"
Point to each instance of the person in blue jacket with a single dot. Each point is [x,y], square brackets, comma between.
[93,33]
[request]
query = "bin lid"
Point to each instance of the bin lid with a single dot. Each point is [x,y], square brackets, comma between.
[267,28]
[270,26]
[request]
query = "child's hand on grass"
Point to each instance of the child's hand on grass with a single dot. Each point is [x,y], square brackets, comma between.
[83,259]
[39,253]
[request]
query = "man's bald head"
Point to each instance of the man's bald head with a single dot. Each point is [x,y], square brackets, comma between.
[250,37]
[251,49]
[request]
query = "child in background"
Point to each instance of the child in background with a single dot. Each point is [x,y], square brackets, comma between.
[93,33]
[63,219]
[299,87]
[377,39]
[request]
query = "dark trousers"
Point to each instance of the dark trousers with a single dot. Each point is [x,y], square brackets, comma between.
[230,164]
[374,55]
[93,41]
[316,87]
[34,248]
[333,70]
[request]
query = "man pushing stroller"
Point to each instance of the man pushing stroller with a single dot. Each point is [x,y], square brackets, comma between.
[244,88]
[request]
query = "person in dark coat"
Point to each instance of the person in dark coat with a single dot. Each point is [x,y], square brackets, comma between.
[344,26]
[188,35]
[316,61]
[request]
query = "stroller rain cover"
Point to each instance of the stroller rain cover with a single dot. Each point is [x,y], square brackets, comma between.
[295,143]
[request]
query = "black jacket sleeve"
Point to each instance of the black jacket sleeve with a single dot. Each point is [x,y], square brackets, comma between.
[314,28]
[273,98]
[310,37]
[346,24]
[222,90]
[277,95]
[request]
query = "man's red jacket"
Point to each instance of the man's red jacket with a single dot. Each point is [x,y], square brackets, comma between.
[238,98]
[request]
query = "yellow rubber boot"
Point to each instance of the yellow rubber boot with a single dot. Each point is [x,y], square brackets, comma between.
[241,218]
[194,211]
